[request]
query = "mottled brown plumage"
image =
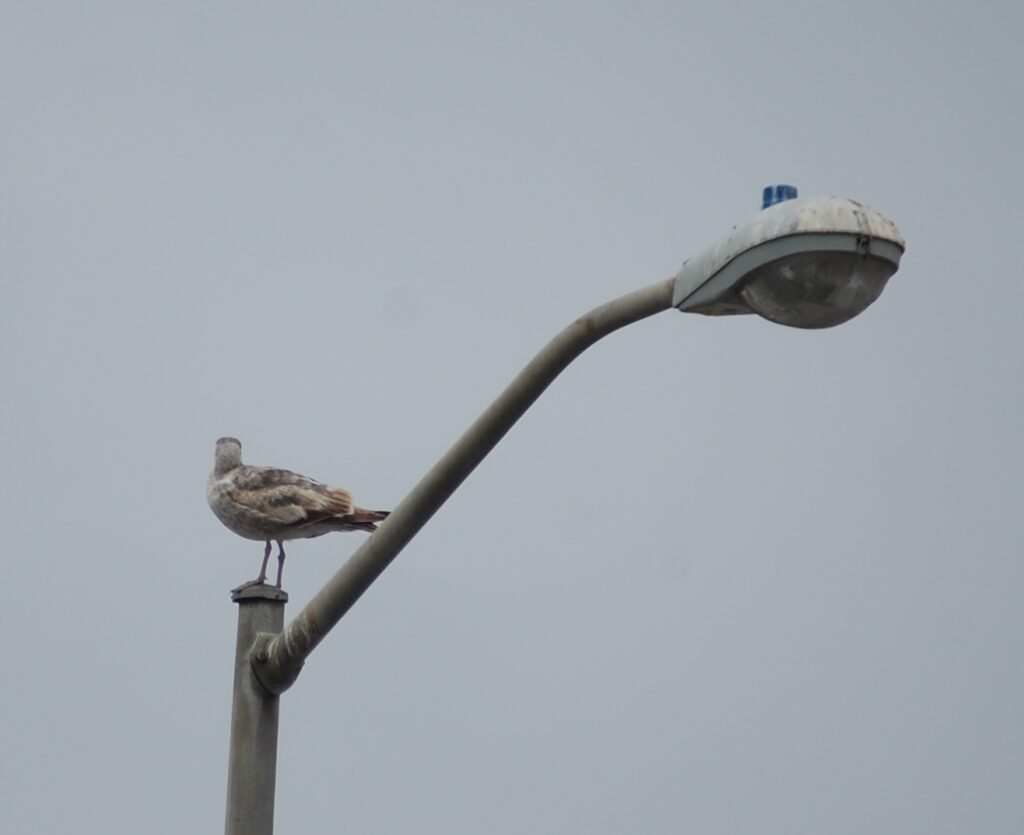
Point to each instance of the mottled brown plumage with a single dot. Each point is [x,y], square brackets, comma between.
[272,505]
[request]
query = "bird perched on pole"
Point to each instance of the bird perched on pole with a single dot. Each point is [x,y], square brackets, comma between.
[273,505]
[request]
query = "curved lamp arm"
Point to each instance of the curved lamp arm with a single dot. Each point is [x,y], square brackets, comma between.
[277,659]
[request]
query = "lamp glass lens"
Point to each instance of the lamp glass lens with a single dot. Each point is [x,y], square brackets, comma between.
[816,289]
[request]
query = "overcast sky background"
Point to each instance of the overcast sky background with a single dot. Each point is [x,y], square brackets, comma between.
[724,577]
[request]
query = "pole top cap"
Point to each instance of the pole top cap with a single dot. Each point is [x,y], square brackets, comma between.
[262,592]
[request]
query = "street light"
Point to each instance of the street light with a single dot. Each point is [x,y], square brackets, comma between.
[808,263]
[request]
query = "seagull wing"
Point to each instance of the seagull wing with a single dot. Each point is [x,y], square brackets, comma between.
[288,499]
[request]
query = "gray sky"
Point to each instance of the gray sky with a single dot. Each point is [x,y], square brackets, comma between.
[725,577]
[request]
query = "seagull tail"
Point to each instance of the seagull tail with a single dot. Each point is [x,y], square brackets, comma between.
[363,520]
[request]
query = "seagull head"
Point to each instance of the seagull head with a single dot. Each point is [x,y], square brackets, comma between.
[227,456]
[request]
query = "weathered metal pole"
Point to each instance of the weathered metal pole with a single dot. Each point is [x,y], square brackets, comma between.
[268,658]
[252,760]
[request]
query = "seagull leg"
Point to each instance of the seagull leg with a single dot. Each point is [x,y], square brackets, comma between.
[280,560]
[262,579]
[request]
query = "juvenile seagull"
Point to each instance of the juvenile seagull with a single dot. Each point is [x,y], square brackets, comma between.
[268,504]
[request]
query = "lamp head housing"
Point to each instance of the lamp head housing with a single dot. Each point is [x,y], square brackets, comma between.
[810,262]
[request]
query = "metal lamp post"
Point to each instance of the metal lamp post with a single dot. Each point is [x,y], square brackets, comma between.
[808,263]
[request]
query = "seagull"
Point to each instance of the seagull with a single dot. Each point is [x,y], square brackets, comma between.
[269,504]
